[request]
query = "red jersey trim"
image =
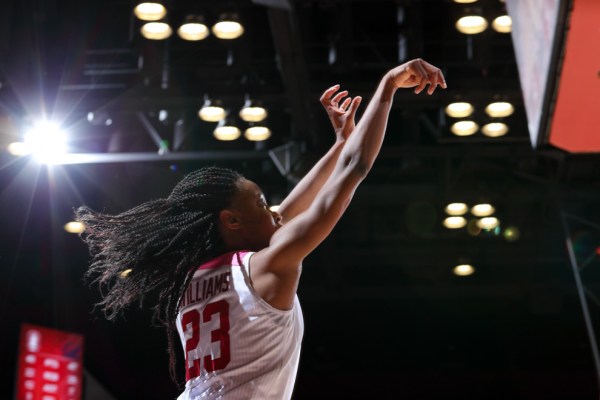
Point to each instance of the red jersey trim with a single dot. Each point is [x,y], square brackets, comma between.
[225,259]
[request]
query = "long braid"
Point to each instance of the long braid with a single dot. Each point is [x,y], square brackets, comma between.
[161,242]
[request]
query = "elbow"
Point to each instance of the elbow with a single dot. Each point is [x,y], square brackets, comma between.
[358,165]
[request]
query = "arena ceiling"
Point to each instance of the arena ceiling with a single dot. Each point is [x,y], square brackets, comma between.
[385,316]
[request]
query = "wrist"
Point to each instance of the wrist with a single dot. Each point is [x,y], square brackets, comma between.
[340,140]
[388,85]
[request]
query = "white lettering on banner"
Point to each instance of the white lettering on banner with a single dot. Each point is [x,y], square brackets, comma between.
[29,385]
[29,372]
[50,388]
[30,359]
[73,366]
[51,363]
[46,397]
[72,380]
[33,340]
[51,376]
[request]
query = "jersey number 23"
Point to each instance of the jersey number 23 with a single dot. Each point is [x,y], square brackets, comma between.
[194,319]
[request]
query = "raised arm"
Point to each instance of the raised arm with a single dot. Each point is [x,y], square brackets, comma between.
[342,119]
[276,269]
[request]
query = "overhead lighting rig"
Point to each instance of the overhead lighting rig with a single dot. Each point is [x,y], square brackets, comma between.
[193,28]
[495,127]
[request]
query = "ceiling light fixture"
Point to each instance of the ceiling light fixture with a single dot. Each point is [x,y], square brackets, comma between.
[456,209]
[212,111]
[488,223]
[499,109]
[482,210]
[257,133]
[228,27]
[472,23]
[495,129]
[502,24]
[150,11]
[156,30]
[459,109]
[455,222]
[463,270]
[193,28]
[253,111]
[464,128]
[227,130]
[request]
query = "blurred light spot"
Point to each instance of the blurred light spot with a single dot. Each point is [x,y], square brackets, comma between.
[512,234]
[473,228]
[464,270]
[74,227]
[125,274]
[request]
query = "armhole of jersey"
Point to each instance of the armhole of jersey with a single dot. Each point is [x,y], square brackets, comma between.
[245,267]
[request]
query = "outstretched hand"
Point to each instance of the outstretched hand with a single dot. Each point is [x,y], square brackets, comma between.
[340,115]
[417,73]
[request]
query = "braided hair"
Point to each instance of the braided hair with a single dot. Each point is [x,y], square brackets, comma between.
[156,246]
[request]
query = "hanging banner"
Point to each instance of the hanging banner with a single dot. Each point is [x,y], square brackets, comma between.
[49,365]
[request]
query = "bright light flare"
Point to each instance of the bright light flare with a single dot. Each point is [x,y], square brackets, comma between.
[18,149]
[46,142]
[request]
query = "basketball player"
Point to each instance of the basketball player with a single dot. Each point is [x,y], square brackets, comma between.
[226,268]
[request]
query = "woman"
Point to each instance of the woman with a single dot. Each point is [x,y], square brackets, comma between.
[225,268]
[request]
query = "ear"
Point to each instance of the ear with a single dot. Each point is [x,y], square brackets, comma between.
[229,220]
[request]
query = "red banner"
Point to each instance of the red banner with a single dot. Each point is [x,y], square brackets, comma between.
[50,364]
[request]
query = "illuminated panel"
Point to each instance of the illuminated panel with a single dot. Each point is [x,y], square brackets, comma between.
[533,32]
[49,364]
[576,120]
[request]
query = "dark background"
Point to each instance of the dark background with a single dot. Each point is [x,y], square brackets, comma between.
[385,316]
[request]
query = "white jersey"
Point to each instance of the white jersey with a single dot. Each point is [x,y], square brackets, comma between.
[236,345]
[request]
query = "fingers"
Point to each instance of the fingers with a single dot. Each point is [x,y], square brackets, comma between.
[426,74]
[336,99]
[354,106]
[346,103]
[326,96]
[331,100]
[421,86]
[441,79]
[418,67]
[433,84]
